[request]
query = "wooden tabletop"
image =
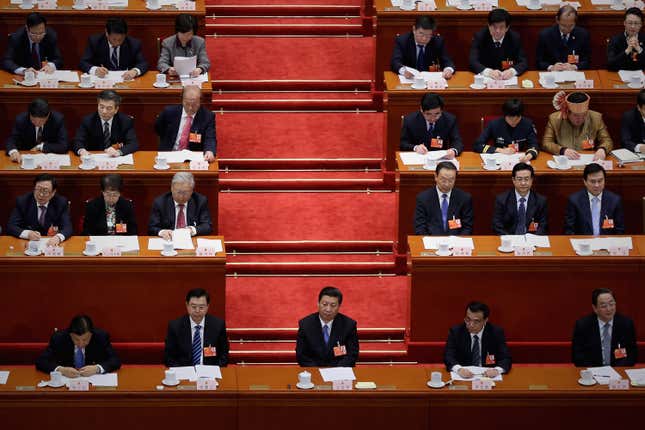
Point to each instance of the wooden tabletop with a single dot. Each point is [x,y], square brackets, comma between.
[384,7]
[134,7]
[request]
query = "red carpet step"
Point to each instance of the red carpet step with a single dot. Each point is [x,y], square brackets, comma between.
[268,25]
[310,263]
[297,100]
[284,7]
[302,180]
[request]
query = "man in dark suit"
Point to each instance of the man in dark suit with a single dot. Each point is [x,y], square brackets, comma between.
[421,50]
[41,213]
[327,337]
[110,213]
[38,129]
[520,210]
[431,129]
[107,129]
[594,210]
[510,134]
[625,50]
[476,342]
[79,350]
[444,210]
[564,46]
[497,52]
[604,338]
[632,126]
[187,126]
[33,47]
[196,338]
[182,207]
[114,50]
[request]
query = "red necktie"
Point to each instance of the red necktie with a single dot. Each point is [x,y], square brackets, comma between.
[181,218]
[183,140]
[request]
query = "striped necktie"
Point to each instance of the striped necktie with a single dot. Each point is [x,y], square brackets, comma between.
[197,346]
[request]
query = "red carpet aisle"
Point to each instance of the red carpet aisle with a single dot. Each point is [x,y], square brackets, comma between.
[304,200]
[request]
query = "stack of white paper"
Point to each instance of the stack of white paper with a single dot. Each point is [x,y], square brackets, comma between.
[626,75]
[61,159]
[104,380]
[123,159]
[636,376]
[501,158]
[185,373]
[126,243]
[436,155]
[507,82]
[60,75]
[181,156]
[412,158]
[582,161]
[624,155]
[478,373]
[180,239]
[432,242]
[185,65]
[4,376]
[528,239]
[195,81]
[203,371]
[598,243]
[337,374]
[565,76]
[210,243]
[604,374]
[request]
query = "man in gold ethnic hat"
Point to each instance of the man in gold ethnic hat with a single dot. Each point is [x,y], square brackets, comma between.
[576,128]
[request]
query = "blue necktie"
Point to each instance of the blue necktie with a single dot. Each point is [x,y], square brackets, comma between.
[197,346]
[521,218]
[79,360]
[326,334]
[444,210]
[430,128]
[421,59]
[595,215]
[606,345]
[477,359]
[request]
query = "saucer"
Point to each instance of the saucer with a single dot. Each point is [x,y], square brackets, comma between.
[586,384]
[79,7]
[617,7]
[439,385]
[157,167]
[152,8]
[464,7]
[91,255]
[635,87]
[477,87]
[411,7]
[86,86]
[584,254]
[25,7]
[529,7]
[28,84]
[169,254]
[170,384]
[491,168]
[553,165]
[84,167]
[164,85]
[28,168]
[501,249]
[32,253]
[548,87]
[443,254]
[308,386]
[51,384]
[419,88]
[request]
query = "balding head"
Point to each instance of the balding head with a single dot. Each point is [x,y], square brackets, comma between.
[190,99]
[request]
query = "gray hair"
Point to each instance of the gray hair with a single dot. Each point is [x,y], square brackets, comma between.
[184,177]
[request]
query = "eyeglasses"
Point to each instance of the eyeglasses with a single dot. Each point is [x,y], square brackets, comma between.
[43,191]
[469,321]
[607,305]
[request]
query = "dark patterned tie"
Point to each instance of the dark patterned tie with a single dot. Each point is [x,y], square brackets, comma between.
[106,135]
[477,360]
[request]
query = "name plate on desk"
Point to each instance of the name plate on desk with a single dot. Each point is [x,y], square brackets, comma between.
[619,384]
[25,388]
[204,251]
[538,387]
[186,5]
[107,165]
[79,385]
[47,4]
[426,6]
[199,165]
[49,83]
[482,6]
[618,251]
[585,83]
[99,5]
[54,251]
[462,251]
[104,83]
[482,385]
[606,164]
[50,165]
[206,384]
[495,85]
[112,251]
[523,251]
[341,385]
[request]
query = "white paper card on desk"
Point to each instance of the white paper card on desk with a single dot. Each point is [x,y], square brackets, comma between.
[210,243]
[204,371]
[48,83]
[564,76]
[47,4]
[619,384]
[426,6]
[618,251]
[181,239]
[123,159]
[478,373]
[412,158]
[494,84]
[341,385]
[537,240]
[195,81]
[116,76]
[125,243]
[54,251]
[111,251]
[186,5]
[206,384]
[103,83]
[4,376]
[185,373]
[107,164]
[185,65]
[79,384]
[523,251]
[626,75]
[50,164]
[180,156]
[105,380]
[61,159]
[462,251]
[482,384]
[624,155]
[60,75]
[604,374]
[330,374]
[584,83]
[198,165]
[637,376]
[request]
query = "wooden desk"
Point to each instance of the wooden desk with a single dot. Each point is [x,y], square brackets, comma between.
[142,184]
[139,99]
[535,299]
[458,27]
[484,185]
[75,26]
[133,296]
[608,97]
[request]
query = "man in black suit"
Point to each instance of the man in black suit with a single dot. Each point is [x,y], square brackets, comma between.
[42,213]
[444,210]
[497,52]
[110,213]
[38,129]
[107,129]
[79,350]
[421,50]
[520,210]
[604,338]
[594,210]
[625,50]
[196,338]
[476,342]
[114,50]
[33,47]
[327,337]
[564,46]
[187,126]
[182,207]
[632,126]
[431,129]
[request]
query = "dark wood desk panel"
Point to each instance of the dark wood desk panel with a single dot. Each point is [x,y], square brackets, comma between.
[75,26]
[135,403]
[458,27]
[139,99]
[470,106]
[533,298]
[556,185]
[133,296]
[142,184]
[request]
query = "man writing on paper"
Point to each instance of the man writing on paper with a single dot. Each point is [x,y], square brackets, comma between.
[327,337]
[625,50]
[181,208]
[431,129]
[79,350]
[33,47]
[109,214]
[497,52]
[594,210]
[632,128]
[510,134]
[185,43]
[196,338]
[188,125]
[39,129]
[575,128]
[520,210]
[476,342]
[114,50]
[444,210]
[604,338]
[107,129]
[564,46]
[42,213]
[421,49]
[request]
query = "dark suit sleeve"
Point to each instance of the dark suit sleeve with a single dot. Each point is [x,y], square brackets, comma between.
[498,215]
[8,62]
[91,219]
[445,59]
[474,58]
[578,346]
[584,56]
[54,55]
[130,219]
[82,135]
[351,346]
[303,355]
[421,217]
[17,218]
[88,55]
[450,352]
[483,139]
[407,142]
[503,358]
[154,225]
[47,361]
[210,142]
[570,217]
[627,139]
[15,137]
[130,142]
[522,64]
[139,62]
[61,145]
[111,361]
[222,346]
[615,54]
[540,56]
[455,137]
[541,216]
[619,217]
[467,216]
[396,62]
[65,227]
[172,350]
[204,224]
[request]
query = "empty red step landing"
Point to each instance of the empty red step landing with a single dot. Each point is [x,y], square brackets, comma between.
[276,180]
[284,7]
[267,26]
[297,100]
[310,263]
